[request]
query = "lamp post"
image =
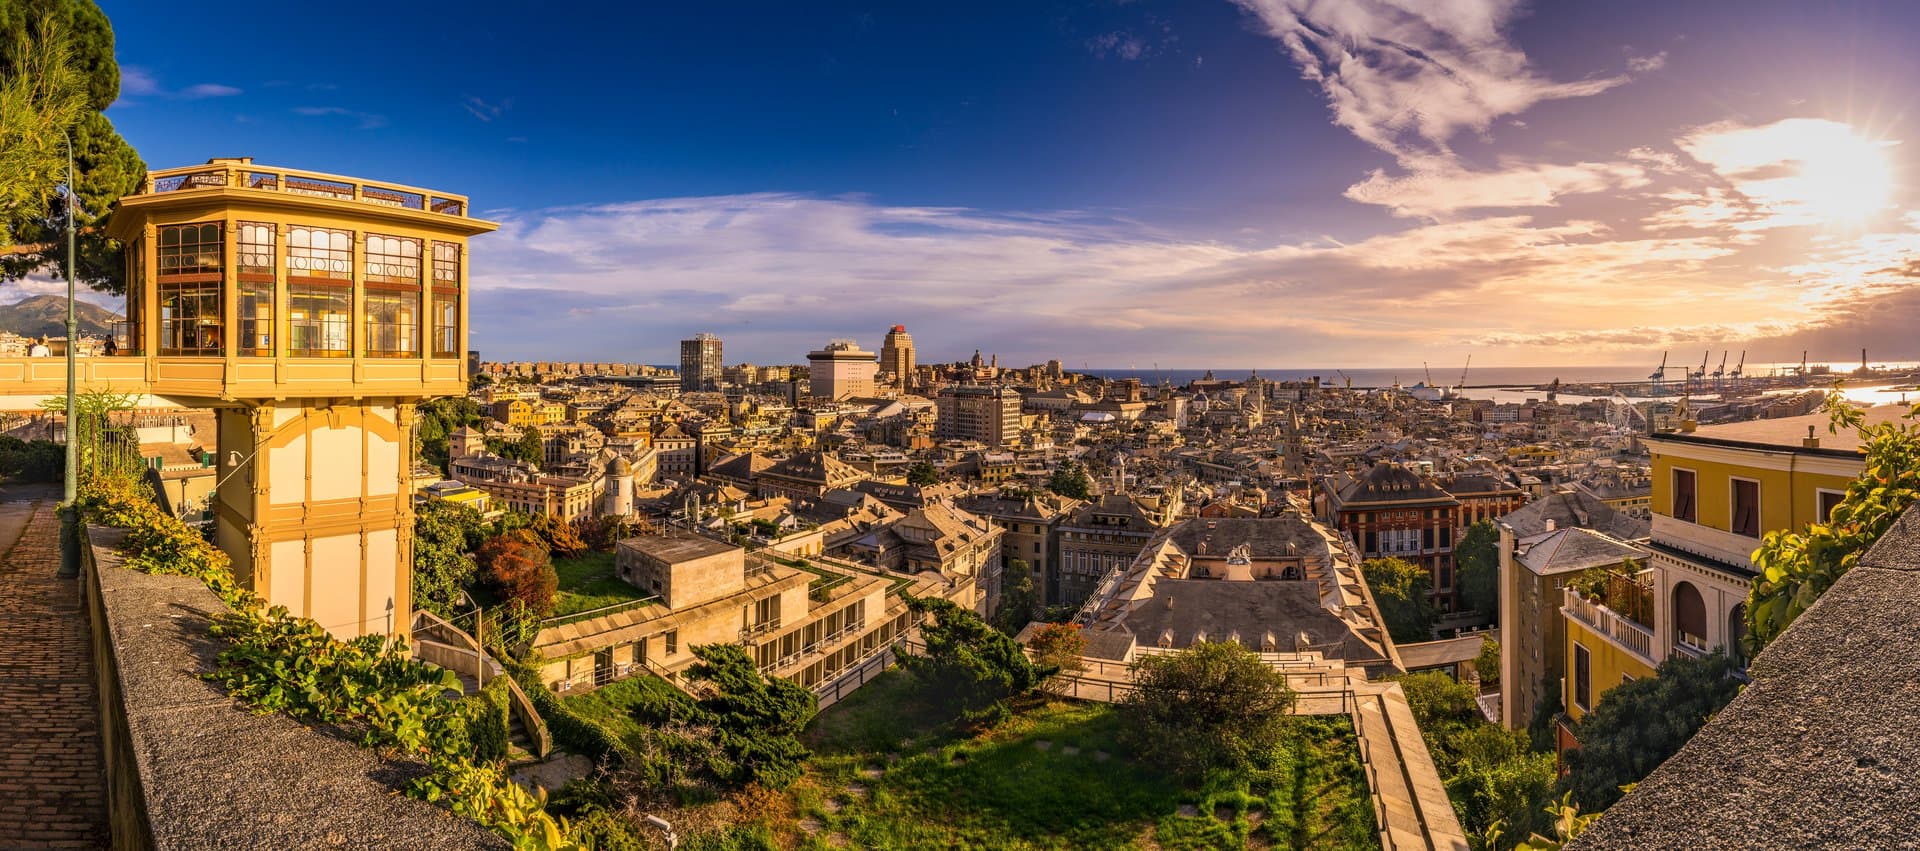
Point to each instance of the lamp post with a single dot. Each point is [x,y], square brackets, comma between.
[69,512]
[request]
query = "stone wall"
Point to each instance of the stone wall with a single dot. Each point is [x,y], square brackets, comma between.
[187,768]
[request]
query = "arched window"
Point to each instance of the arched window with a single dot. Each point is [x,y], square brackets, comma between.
[1689,616]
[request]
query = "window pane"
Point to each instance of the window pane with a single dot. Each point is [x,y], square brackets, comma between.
[190,318]
[319,253]
[393,323]
[446,324]
[446,264]
[256,319]
[190,250]
[256,248]
[393,259]
[320,319]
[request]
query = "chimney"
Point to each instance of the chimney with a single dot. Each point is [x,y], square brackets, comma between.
[1810,441]
[1550,524]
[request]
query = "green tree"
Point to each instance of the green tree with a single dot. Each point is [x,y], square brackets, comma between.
[438,420]
[57,76]
[756,720]
[531,447]
[1018,598]
[445,535]
[1212,705]
[1476,561]
[1071,480]
[922,473]
[1489,772]
[1796,567]
[1400,589]
[1487,664]
[1637,725]
[1444,707]
[968,665]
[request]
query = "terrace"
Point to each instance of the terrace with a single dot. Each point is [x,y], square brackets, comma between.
[242,174]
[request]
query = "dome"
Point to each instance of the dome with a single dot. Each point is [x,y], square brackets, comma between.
[619,467]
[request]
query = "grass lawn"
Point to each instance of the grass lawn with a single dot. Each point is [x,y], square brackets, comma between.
[587,583]
[613,703]
[887,773]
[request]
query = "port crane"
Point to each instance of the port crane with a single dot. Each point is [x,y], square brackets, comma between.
[1739,368]
[1461,388]
[1659,377]
[1343,377]
[1720,372]
[1698,377]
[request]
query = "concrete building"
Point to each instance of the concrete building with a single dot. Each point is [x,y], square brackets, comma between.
[896,357]
[989,413]
[794,624]
[841,370]
[312,312]
[700,363]
[619,495]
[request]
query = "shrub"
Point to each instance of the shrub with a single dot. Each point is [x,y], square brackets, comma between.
[1210,705]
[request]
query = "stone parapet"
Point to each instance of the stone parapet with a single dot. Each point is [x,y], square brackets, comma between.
[187,768]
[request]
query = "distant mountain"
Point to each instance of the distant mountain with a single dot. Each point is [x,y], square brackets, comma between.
[39,315]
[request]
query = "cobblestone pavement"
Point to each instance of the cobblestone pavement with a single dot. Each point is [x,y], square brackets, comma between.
[52,788]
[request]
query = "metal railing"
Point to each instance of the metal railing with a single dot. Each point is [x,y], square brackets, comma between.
[294,182]
[1633,637]
[603,611]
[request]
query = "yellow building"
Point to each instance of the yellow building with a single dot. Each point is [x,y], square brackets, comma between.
[1716,491]
[312,312]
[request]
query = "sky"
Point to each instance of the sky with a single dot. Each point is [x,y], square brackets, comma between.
[1269,183]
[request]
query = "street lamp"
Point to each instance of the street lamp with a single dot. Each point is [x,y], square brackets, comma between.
[69,511]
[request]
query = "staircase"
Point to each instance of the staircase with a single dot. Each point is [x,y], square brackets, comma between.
[443,645]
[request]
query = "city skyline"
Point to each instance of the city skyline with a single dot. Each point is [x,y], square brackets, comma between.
[1262,182]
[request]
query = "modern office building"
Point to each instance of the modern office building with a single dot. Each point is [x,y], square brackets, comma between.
[312,312]
[700,363]
[989,413]
[896,357]
[841,370]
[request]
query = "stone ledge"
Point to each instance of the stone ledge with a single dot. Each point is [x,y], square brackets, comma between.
[211,774]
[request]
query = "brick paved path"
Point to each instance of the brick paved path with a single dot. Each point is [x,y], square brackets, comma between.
[52,790]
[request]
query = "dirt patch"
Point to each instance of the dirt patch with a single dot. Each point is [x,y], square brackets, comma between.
[1071,750]
[1101,756]
[1223,813]
[856,790]
[871,772]
[838,839]
[1189,811]
[1256,816]
[1043,744]
[812,826]
[833,806]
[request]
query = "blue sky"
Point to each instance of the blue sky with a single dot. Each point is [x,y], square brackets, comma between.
[1265,182]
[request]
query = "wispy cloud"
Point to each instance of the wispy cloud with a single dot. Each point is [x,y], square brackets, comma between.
[483,110]
[1647,64]
[366,120]
[1406,77]
[1119,45]
[137,82]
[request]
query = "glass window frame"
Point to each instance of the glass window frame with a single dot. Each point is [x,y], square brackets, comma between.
[201,249]
[325,263]
[382,328]
[387,259]
[444,316]
[300,297]
[185,308]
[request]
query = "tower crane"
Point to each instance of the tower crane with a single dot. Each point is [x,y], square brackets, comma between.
[1462,386]
[1343,377]
[1429,371]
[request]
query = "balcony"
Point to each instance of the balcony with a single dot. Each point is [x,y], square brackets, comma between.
[1716,544]
[1621,630]
[241,173]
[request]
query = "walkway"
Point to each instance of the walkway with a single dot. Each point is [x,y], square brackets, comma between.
[52,789]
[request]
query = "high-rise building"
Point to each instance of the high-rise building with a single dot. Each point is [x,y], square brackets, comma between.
[841,370]
[989,413]
[699,363]
[896,356]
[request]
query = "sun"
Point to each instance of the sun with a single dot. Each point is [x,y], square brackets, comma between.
[1803,171]
[1844,179]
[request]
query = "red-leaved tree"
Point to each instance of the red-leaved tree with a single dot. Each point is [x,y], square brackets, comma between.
[516,567]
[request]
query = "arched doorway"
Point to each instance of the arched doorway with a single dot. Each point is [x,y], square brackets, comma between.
[1689,616]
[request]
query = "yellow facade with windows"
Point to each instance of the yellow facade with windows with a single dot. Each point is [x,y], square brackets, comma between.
[1717,491]
[1596,662]
[312,312]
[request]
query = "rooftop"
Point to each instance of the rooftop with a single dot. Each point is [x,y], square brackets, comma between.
[677,548]
[1787,432]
